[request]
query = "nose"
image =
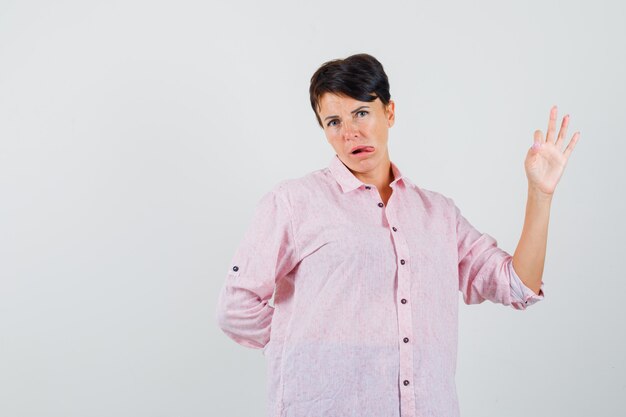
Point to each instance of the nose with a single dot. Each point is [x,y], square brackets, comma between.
[350,130]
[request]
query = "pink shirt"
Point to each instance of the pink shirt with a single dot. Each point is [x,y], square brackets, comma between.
[364,322]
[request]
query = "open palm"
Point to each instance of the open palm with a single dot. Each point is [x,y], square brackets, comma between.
[546,161]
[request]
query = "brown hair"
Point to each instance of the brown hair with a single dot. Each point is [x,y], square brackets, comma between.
[359,76]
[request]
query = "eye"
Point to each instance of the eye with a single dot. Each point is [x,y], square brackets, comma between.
[363,111]
[331,123]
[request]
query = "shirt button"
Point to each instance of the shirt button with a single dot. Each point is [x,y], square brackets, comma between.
[394,229]
[403,301]
[367,187]
[406,382]
[235,268]
[406,340]
[380,204]
[402,261]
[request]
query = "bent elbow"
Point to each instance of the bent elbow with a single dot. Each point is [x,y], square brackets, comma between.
[247,323]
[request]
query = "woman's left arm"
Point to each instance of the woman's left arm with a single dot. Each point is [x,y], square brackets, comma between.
[544,164]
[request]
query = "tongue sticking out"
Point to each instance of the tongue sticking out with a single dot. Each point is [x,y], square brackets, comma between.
[365,149]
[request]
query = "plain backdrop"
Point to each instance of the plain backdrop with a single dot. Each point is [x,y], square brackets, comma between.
[137,137]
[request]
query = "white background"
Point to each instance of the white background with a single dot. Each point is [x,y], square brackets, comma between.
[137,137]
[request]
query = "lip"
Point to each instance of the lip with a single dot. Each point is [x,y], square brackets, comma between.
[367,150]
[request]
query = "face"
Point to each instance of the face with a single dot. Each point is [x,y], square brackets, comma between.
[351,124]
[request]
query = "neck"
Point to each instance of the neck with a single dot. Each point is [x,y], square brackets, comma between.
[381,177]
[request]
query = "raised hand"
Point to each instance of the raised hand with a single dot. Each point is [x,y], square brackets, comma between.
[546,160]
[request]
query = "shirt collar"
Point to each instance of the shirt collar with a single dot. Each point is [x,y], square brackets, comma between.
[349,182]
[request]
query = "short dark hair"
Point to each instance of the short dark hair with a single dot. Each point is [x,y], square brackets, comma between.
[359,76]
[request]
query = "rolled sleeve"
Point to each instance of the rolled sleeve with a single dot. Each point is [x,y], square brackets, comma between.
[521,295]
[266,253]
[485,270]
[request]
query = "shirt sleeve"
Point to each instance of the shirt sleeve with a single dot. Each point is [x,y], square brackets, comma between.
[486,271]
[266,253]
[520,293]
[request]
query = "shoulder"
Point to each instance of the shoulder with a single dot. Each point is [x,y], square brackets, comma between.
[290,191]
[304,187]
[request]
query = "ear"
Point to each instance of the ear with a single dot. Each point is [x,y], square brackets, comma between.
[390,111]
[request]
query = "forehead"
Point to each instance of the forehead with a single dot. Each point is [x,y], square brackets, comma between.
[331,103]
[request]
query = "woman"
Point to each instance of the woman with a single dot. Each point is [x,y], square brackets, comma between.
[365,266]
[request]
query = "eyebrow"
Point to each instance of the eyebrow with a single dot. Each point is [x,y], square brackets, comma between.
[353,111]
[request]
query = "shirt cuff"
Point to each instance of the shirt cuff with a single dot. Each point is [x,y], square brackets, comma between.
[520,293]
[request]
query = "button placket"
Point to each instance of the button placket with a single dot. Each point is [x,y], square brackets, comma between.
[405,324]
[380,203]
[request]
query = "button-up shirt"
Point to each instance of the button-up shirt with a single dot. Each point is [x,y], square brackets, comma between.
[365,311]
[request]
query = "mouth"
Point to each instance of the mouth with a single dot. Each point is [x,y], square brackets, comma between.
[362,150]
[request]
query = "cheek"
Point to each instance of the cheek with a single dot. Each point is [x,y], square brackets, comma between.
[364,126]
[375,124]
[334,142]
[332,136]
[381,134]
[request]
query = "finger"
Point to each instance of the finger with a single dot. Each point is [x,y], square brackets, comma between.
[562,132]
[571,145]
[551,124]
[538,139]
